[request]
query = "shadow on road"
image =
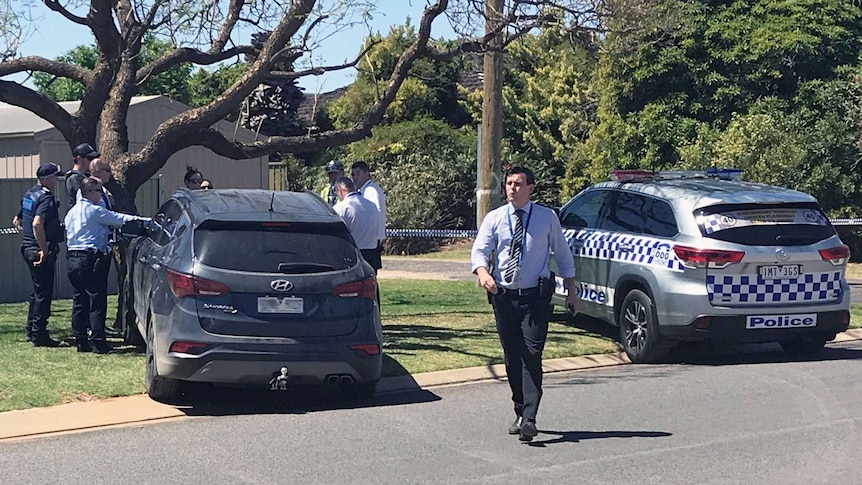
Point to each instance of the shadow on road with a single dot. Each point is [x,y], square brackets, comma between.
[704,354]
[212,400]
[578,436]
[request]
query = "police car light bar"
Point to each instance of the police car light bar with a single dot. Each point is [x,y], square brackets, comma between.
[646,175]
[631,175]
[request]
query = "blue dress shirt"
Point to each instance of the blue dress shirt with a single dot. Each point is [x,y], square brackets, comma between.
[543,237]
[89,225]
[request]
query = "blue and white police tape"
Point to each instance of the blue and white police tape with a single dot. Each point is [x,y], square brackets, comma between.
[465,233]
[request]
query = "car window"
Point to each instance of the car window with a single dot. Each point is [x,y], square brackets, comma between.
[625,213]
[584,211]
[792,224]
[165,222]
[288,248]
[660,220]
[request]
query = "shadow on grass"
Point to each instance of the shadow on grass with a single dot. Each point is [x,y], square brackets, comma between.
[210,400]
[592,326]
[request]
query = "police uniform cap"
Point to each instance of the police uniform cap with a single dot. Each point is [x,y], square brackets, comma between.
[334,166]
[49,170]
[85,150]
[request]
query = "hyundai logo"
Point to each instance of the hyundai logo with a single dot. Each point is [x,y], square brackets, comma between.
[782,255]
[281,285]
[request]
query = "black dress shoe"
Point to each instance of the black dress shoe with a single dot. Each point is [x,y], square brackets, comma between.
[112,333]
[528,431]
[83,345]
[44,342]
[101,347]
[515,427]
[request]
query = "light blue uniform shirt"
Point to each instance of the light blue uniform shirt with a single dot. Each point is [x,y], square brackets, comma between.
[543,237]
[89,225]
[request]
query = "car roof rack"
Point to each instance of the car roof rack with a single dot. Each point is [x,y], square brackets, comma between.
[648,176]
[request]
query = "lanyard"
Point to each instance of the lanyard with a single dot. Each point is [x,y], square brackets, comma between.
[523,236]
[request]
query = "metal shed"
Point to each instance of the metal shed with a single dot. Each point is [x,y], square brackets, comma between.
[26,141]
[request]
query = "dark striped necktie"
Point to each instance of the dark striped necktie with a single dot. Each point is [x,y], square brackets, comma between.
[515,250]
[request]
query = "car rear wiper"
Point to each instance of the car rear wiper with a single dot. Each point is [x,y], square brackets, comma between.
[293,268]
[784,238]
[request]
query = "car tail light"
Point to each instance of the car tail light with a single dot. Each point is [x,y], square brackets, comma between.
[187,347]
[183,285]
[369,349]
[701,258]
[837,255]
[366,288]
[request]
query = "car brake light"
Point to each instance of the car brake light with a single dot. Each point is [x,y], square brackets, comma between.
[185,347]
[366,288]
[631,175]
[183,285]
[369,349]
[837,255]
[701,258]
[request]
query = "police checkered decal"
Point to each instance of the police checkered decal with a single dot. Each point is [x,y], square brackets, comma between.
[752,290]
[607,245]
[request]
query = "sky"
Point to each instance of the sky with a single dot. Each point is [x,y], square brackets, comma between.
[56,35]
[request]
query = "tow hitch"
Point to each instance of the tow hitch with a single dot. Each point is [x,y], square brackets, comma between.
[279,382]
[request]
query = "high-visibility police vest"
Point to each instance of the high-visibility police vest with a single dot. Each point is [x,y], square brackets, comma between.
[40,201]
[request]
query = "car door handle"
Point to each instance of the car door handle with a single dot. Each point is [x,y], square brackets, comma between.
[625,247]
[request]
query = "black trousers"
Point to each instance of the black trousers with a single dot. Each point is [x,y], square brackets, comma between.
[88,273]
[522,324]
[43,291]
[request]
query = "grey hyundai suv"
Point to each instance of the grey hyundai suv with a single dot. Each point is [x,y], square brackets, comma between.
[256,288]
[702,256]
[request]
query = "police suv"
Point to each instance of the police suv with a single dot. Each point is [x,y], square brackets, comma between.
[702,256]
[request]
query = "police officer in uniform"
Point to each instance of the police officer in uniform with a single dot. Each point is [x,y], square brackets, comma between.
[510,258]
[81,157]
[334,171]
[40,223]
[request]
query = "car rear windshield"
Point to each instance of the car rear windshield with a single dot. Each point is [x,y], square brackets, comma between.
[796,224]
[275,247]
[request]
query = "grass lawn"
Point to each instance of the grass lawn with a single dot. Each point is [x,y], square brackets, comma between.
[854,271]
[427,326]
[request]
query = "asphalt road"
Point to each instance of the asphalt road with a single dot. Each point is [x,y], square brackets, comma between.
[718,417]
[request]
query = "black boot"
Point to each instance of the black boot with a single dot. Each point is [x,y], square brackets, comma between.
[43,340]
[83,344]
[101,347]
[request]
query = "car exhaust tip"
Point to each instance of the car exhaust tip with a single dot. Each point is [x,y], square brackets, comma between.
[346,380]
[333,379]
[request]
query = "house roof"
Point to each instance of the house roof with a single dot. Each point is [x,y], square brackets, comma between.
[312,104]
[19,121]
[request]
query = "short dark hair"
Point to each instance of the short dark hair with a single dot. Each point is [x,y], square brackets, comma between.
[345,183]
[531,179]
[90,183]
[361,165]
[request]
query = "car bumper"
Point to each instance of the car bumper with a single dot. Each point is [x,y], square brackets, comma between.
[256,365]
[733,329]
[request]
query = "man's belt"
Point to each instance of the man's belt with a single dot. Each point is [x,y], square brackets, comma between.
[518,291]
[85,252]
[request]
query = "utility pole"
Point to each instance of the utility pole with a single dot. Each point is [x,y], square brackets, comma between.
[491,135]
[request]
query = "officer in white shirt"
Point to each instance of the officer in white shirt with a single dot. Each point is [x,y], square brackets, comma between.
[361,175]
[360,216]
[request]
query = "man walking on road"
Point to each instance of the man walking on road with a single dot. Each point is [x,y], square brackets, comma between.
[510,258]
